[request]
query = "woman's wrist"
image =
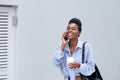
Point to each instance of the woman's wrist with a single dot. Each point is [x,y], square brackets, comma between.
[78,65]
[62,46]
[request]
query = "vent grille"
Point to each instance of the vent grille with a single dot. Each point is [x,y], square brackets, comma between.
[4,45]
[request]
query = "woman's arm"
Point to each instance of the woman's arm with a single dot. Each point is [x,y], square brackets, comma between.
[88,67]
[58,57]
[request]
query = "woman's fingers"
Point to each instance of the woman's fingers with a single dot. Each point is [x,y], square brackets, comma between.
[73,65]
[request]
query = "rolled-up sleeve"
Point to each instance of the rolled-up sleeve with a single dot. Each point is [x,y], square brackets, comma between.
[58,56]
[88,67]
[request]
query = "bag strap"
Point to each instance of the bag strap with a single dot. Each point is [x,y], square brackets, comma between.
[97,73]
[83,51]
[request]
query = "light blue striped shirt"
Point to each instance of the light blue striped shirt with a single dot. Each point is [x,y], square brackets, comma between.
[87,68]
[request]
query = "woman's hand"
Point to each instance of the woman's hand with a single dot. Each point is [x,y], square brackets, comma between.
[73,65]
[64,42]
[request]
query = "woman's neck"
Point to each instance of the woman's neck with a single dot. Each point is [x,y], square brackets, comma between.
[73,43]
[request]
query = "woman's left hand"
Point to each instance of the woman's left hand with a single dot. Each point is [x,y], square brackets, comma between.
[74,65]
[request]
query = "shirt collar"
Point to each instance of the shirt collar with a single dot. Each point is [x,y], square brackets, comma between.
[79,45]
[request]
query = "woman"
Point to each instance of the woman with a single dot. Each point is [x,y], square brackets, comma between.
[68,54]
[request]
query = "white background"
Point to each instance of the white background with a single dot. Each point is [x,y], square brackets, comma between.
[41,23]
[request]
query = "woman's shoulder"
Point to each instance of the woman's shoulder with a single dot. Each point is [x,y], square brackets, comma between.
[87,44]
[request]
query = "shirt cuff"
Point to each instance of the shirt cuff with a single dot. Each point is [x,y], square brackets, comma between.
[82,68]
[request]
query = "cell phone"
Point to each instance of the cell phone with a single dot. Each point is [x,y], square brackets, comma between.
[65,37]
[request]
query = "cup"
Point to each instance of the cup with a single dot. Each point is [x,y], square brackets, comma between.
[70,60]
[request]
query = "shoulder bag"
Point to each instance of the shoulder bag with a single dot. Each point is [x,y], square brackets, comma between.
[95,75]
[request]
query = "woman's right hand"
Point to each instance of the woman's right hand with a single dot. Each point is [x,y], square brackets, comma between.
[64,42]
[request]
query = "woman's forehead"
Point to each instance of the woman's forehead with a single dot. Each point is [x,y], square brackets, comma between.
[72,25]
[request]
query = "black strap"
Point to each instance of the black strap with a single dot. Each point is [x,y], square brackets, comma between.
[83,52]
[94,75]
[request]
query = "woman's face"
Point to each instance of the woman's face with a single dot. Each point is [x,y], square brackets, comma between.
[72,31]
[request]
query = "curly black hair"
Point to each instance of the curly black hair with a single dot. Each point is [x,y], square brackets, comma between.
[76,21]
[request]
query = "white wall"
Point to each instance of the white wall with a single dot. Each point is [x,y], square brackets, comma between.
[41,23]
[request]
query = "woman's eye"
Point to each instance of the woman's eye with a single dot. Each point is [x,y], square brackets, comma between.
[73,29]
[68,29]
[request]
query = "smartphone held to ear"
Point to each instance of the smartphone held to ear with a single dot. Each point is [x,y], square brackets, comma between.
[65,37]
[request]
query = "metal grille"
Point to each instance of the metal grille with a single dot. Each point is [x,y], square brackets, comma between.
[3,45]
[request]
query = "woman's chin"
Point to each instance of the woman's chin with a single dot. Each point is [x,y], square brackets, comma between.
[70,38]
